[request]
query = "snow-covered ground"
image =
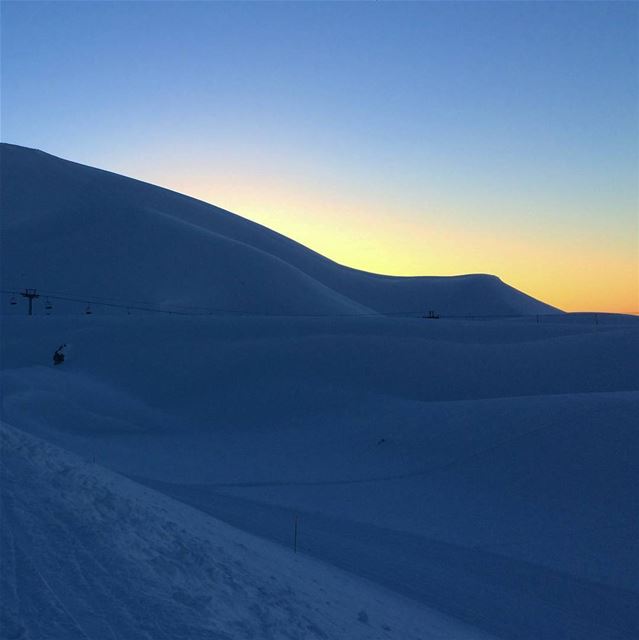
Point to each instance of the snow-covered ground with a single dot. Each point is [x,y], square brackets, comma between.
[452,478]
[88,554]
[483,469]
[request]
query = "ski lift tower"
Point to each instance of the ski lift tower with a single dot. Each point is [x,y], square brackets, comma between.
[31,294]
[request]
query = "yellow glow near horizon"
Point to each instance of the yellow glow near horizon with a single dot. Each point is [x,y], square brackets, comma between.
[573,273]
[574,279]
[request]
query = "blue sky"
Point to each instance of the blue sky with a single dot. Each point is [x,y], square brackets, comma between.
[399,137]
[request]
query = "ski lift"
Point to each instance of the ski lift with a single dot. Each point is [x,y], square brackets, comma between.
[13,301]
[47,305]
[88,311]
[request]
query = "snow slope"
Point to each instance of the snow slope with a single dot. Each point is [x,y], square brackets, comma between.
[483,469]
[87,554]
[87,233]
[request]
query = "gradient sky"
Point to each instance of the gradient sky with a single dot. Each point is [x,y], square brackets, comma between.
[403,138]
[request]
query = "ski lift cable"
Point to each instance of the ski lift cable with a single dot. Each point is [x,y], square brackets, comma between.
[183,310]
[200,311]
[187,310]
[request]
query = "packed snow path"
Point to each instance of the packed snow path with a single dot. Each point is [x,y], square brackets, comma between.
[507,597]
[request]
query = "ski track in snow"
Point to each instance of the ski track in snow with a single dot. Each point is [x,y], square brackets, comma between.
[368,480]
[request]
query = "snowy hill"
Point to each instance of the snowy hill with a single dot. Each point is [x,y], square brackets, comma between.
[87,233]
[88,554]
[484,469]
[464,478]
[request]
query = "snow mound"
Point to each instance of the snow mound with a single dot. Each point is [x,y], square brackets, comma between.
[87,233]
[89,554]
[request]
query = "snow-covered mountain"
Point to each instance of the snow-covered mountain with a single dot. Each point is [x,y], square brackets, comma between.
[87,233]
[465,478]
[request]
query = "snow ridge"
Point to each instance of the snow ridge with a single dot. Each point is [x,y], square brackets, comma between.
[88,232]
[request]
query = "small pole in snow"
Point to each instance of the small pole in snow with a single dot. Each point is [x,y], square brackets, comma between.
[295,534]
